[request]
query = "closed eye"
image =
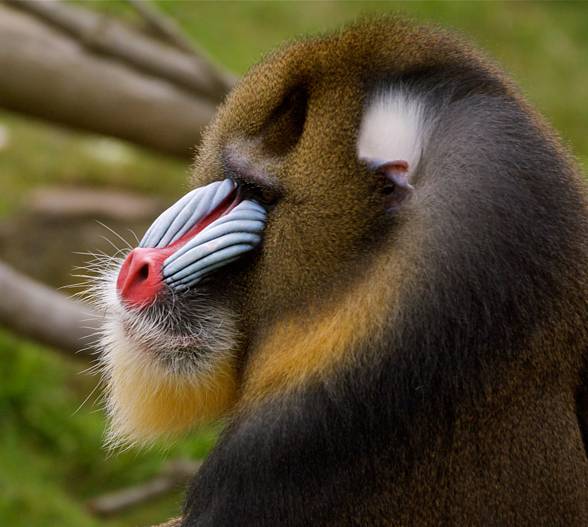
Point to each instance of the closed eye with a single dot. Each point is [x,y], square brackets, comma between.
[264,195]
[252,185]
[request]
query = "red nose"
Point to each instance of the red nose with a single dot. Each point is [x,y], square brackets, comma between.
[140,278]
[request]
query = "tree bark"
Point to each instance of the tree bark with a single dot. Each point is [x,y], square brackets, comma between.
[49,75]
[175,522]
[162,26]
[175,474]
[42,314]
[103,35]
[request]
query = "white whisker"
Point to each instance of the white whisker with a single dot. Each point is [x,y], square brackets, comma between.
[125,242]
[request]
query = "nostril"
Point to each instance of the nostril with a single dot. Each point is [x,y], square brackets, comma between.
[144,272]
[140,278]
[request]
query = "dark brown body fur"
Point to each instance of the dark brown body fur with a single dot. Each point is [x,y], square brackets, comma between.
[454,400]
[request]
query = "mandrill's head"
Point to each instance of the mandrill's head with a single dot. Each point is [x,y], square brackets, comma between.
[318,194]
[284,211]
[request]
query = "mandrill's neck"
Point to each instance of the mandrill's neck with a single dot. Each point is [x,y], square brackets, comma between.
[313,346]
[374,416]
[373,444]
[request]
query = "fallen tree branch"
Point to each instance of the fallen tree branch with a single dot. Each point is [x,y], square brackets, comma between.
[49,75]
[166,28]
[174,474]
[162,26]
[70,203]
[110,37]
[42,314]
[176,522]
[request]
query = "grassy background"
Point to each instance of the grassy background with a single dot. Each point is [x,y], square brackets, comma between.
[51,458]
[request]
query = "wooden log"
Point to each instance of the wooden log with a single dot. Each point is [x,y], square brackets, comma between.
[175,474]
[44,315]
[189,70]
[49,75]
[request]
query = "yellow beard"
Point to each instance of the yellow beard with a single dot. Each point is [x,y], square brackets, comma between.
[146,401]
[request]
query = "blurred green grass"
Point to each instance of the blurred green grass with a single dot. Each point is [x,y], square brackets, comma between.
[51,453]
[51,457]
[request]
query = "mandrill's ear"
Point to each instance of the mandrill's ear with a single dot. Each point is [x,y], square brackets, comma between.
[396,185]
[392,136]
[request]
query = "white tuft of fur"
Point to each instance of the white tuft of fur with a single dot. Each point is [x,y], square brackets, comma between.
[393,128]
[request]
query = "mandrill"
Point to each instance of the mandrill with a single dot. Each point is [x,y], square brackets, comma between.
[380,283]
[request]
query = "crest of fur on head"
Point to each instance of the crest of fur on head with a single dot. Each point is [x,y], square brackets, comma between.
[334,138]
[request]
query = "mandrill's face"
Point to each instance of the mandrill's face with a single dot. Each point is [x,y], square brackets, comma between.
[291,193]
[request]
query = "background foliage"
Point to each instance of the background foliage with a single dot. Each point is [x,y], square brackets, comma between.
[51,458]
